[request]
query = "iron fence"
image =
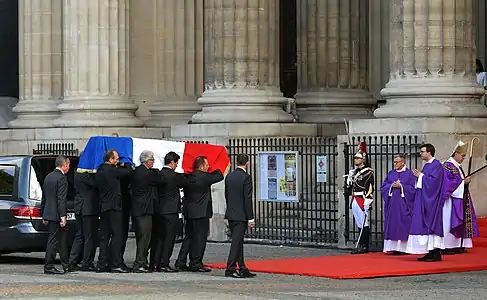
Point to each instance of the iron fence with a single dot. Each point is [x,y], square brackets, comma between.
[313,219]
[67,149]
[381,151]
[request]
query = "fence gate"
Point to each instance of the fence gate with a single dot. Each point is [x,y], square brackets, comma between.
[313,219]
[381,151]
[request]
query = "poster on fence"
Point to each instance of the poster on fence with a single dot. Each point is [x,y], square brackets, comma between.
[278,176]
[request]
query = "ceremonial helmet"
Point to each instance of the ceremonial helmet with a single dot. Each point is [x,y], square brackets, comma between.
[461,148]
[361,151]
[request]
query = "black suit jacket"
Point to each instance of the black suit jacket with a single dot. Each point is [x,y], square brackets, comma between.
[108,183]
[197,194]
[54,195]
[87,199]
[238,196]
[169,199]
[144,190]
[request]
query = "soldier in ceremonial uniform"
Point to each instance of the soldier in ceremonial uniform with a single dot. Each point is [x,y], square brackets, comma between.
[361,181]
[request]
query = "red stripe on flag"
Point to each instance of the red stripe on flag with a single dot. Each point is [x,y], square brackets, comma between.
[217,156]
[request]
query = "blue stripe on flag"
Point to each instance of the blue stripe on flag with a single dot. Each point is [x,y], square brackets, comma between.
[92,155]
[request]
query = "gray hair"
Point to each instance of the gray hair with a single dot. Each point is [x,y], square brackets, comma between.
[146,155]
[61,160]
[401,156]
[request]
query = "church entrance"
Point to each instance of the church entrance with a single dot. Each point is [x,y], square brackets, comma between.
[288,47]
[9,49]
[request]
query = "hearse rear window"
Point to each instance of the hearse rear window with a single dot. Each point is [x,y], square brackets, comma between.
[7,178]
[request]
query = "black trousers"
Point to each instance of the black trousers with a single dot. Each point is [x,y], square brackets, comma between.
[56,243]
[198,244]
[186,245]
[76,254]
[90,232]
[143,232]
[125,226]
[170,224]
[236,254]
[111,239]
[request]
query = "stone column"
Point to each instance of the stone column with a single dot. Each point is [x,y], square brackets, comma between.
[242,63]
[333,61]
[179,62]
[96,68]
[432,61]
[40,63]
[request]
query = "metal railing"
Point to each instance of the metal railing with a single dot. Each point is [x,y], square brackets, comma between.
[313,219]
[67,149]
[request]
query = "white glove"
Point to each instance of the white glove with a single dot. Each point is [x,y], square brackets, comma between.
[350,177]
[366,208]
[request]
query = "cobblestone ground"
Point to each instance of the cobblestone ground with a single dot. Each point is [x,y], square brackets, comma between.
[21,278]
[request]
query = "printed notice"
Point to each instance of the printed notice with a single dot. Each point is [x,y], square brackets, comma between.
[321,166]
[278,176]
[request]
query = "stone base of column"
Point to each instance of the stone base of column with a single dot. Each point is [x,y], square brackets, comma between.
[35,114]
[443,133]
[432,97]
[228,130]
[242,105]
[97,112]
[172,112]
[333,106]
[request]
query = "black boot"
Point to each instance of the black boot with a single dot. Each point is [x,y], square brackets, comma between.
[363,244]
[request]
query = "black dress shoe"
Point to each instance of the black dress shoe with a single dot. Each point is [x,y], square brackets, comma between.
[233,274]
[361,250]
[168,269]
[120,269]
[102,269]
[73,268]
[53,271]
[142,270]
[201,270]
[247,274]
[181,267]
[90,268]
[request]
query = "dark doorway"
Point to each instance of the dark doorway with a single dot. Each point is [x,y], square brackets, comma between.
[9,48]
[288,47]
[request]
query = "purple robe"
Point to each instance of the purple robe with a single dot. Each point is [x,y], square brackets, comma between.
[427,218]
[398,210]
[452,180]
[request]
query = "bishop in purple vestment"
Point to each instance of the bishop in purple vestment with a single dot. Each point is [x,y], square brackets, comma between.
[453,210]
[426,233]
[398,191]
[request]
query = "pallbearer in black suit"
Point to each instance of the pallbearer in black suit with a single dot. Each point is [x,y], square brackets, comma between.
[198,203]
[240,215]
[88,198]
[108,177]
[144,194]
[53,208]
[168,212]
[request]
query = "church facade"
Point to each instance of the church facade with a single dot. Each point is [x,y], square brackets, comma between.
[218,68]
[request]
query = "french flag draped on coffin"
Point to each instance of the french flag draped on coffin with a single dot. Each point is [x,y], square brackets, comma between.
[129,150]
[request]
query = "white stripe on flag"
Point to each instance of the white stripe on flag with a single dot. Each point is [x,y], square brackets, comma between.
[160,149]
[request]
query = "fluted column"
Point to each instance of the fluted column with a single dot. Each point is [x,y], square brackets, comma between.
[40,63]
[179,62]
[241,63]
[432,65]
[333,61]
[96,68]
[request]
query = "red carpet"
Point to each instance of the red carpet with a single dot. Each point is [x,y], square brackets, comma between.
[373,265]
